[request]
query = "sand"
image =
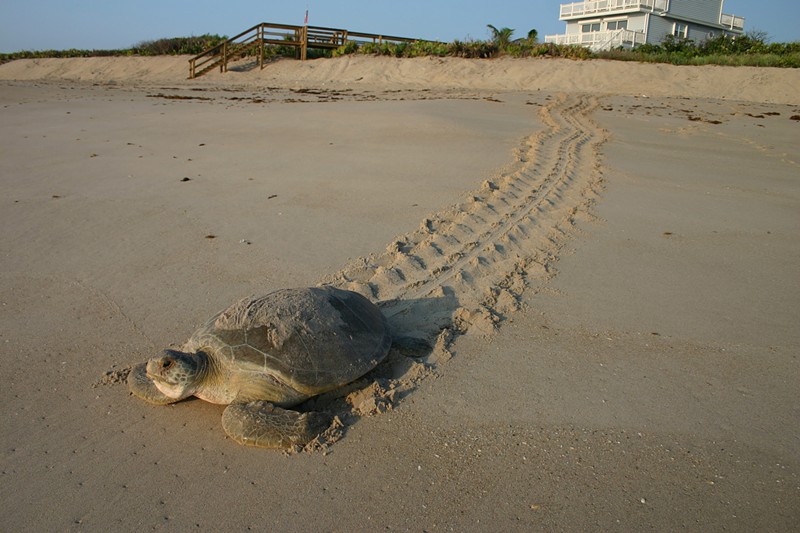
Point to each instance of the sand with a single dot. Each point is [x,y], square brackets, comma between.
[602,255]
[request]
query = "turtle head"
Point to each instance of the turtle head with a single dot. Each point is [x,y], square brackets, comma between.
[176,374]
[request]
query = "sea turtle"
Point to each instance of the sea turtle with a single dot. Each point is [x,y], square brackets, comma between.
[266,353]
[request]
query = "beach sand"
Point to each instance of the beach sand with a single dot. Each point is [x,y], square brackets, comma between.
[603,256]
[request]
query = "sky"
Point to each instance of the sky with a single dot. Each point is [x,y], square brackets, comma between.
[111,24]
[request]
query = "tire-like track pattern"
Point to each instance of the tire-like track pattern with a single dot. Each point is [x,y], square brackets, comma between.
[465,268]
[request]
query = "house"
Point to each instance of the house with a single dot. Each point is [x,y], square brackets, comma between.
[607,24]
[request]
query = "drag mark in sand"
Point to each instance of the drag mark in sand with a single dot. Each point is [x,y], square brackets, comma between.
[464,269]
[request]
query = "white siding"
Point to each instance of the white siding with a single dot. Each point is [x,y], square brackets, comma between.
[698,10]
[659,28]
[637,22]
[699,33]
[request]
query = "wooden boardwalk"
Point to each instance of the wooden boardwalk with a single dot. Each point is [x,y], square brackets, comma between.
[254,40]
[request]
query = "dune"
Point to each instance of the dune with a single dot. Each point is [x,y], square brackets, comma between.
[749,84]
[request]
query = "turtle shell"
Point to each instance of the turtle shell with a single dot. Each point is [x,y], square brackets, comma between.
[311,339]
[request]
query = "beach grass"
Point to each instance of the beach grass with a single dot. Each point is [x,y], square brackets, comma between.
[740,51]
[166,46]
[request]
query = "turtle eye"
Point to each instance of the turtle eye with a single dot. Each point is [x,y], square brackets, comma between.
[167,364]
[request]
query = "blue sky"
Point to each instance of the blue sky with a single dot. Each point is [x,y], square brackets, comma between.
[104,24]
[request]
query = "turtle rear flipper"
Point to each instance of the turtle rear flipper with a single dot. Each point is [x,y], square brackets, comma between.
[412,346]
[143,387]
[262,424]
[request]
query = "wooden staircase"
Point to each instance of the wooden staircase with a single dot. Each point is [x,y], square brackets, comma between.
[252,42]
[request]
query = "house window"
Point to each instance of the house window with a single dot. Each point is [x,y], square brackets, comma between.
[617,25]
[680,30]
[586,28]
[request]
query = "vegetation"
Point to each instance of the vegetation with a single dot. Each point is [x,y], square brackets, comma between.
[178,45]
[172,46]
[752,49]
[501,44]
[501,37]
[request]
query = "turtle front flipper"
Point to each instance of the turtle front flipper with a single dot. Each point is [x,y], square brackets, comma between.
[143,387]
[264,425]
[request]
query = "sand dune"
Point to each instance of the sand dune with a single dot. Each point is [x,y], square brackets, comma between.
[750,84]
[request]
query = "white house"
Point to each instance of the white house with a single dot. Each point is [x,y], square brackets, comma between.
[607,24]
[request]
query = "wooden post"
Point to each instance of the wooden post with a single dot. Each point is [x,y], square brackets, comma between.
[304,43]
[261,47]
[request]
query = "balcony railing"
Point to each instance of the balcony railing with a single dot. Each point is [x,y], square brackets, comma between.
[600,40]
[598,7]
[605,7]
[732,22]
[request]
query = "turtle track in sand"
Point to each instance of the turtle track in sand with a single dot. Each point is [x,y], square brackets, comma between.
[465,268]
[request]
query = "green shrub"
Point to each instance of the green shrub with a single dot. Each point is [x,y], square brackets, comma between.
[745,50]
[178,45]
[351,47]
[426,48]
[678,45]
[173,46]
[474,49]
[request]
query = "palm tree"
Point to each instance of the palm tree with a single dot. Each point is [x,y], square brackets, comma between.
[501,37]
[533,35]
